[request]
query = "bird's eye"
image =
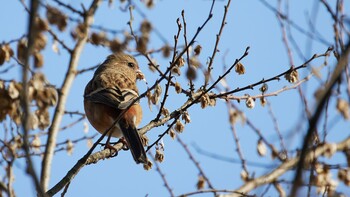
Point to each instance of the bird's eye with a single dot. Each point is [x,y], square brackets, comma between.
[131,65]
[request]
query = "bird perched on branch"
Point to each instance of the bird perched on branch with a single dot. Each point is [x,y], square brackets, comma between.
[110,95]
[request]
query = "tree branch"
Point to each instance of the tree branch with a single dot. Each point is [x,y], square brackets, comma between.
[68,81]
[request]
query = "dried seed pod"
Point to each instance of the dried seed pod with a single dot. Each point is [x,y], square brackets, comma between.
[191,73]
[14,90]
[142,44]
[263,101]
[197,50]
[146,27]
[86,127]
[343,108]
[56,17]
[51,96]
[149,99]
[212,102]
[159,156]
[233,116]
[166,50]
[40,42]
[21,47]
[38,81]
[43,117]
[200,182]
[98,38]
[36,143]
[144,140]
[180,62]
[156,95]
[176,70]
[194,62]
[186,117]
[149,3]
[343,174]
[15,112]
[89,143]
[33,121]
[172,133]
[148,165]
[261,148]
[116,46]
[2,55]
[79,31]
[165,112]
[264,88]
[69,147]
[38,60]
[292,76]
[55,47]
[5,53]
[244,176]
[250,103]
[239,68]
[178,88]
[41,24]
[179,127]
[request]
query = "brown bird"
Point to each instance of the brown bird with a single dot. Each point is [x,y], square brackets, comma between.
[110,92]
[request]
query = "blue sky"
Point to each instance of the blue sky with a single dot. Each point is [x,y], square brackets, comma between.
[249,23]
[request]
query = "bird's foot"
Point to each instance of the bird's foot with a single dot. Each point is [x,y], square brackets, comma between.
[124,142]
[111,148]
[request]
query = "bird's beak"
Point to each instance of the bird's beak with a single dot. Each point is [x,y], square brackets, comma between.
[140,75]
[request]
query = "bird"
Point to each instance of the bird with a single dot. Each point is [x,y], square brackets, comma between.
[108,95]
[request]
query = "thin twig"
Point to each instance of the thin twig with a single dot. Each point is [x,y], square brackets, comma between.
[276,77]
[324,95]
[187,51]
[69,7]
[286,166]
[215,49]
[196,163]
[162,175]
[238,146]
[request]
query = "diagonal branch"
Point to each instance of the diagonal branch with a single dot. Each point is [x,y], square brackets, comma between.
[284,167]
[68,81]
[322,100]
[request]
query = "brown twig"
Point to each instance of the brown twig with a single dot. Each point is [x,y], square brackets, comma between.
[204,191]
[217,41]
[162,175]
[275,123]
[25,103]
[238,146]
[296,26]
[276,77]
[69,7]
[196,163]
[187,51]
[286,166]
[58,114]
[325,94]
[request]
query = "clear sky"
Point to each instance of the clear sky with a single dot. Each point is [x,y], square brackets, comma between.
[249,23]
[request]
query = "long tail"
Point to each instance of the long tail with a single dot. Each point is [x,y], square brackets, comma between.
[134,141]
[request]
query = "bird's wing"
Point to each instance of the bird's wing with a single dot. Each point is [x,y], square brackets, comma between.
[113,97]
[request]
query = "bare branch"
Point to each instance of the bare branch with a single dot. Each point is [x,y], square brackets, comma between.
[284,167]
[68,81]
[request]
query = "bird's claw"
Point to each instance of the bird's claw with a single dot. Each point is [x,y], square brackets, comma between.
[111,148]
